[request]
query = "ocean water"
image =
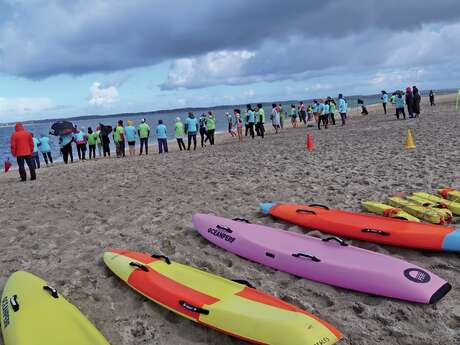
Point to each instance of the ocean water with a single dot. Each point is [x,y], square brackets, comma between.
[168,117]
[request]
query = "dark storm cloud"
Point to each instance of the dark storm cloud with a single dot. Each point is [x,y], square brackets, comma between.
[44,38]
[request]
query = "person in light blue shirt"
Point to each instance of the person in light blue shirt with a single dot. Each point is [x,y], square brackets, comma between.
[45,149]
[384,99]
[250,120]
[162,137]
[35,155]
[130,135]
[191,128]
[343,109]
[400,106]
[65,143]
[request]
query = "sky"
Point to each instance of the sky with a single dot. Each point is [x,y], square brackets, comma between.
[61,58]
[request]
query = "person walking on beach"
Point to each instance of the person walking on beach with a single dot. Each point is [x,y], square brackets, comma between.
[342,109]
[144,133]
[162,137]
[22,147]
[320,112]
[316,110]
[275,117]
[250,118]
[432,98]
[384,99]
[191,128]
[410,102]
[417,100]
[179,133]
[211,127]
[45,149]
[239,124]
[400,106]
[35,154]
[119,139]
[260,113]
[130,133]
[302,113]
[92,142]
[293,116]
[80,140]
[309,115]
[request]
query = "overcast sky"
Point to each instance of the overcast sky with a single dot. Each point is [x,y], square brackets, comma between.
[69,58]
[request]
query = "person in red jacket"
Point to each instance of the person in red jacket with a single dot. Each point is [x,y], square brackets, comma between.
[22,147]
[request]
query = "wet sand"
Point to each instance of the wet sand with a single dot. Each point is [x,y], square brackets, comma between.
[58,226]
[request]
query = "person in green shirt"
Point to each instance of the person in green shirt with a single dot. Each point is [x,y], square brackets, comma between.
[92,138]
[179,132]
[332,109]
[282,116]
[211,127]
[119,139]
[260,120]
[144,133]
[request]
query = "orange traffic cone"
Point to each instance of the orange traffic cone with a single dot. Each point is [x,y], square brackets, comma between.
[310,145]
[409,140]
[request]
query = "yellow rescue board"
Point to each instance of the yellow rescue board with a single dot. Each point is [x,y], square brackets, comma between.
[421,212]
[387,210]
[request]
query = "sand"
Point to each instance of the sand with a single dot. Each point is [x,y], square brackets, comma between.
[59,226]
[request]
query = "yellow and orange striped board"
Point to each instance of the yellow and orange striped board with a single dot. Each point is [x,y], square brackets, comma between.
[230,307]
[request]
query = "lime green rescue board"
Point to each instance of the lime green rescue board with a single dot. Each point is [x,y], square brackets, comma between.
[34,313]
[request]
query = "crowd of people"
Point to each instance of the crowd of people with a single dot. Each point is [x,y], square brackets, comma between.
[321,113]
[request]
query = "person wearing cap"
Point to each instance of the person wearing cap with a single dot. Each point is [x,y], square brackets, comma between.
[130,133]
[22,147]
[211,127]
[162,137]
[144,133]
[191,128]
[119,139]
[342,109]
[179,133]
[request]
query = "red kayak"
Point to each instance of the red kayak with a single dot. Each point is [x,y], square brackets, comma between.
[367,227]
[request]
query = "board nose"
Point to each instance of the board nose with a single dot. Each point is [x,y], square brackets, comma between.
[265,207]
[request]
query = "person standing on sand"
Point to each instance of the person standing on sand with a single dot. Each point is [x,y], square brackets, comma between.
[35,154]
[22,147]
[260,113]
[316,110]
[326,114]
[309,115]
[293,116]
[250,116]
[281,111]
[230,124]
[191,128]
[432,98]
[332,109]
[302,113]
[162,137]
[320,112]
[211,127]
[119,139]
[343,109]
[45,149]
[130,133]
[203,130]
[384,99]
[99,142]
[65,142]
[80,139]
[144,133]
[105,140]
[275,117]
[92,142]
[417,100]
[239,124]
[179,133]
[400,106]
[410,102]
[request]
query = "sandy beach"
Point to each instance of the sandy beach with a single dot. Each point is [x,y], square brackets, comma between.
[58,226]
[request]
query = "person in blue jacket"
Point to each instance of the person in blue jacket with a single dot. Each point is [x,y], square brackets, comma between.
[35,154]
[45,149]
[130,134]
[162,137]
[191,128]
[384,99]
[343,109]
[65,142]
[400,106]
